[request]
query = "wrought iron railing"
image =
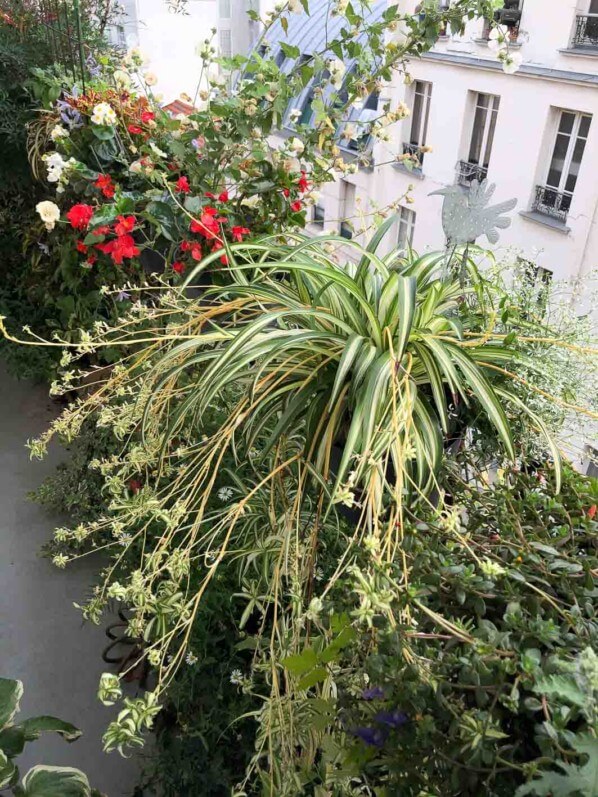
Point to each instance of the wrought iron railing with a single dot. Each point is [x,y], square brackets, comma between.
[551,202]
[468,172]
[414,151]
[60,20]
[586,31]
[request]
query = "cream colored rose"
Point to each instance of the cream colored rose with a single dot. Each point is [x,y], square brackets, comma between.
[49,213]
[150,78]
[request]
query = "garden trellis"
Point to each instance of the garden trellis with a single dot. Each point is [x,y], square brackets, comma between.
[61,21]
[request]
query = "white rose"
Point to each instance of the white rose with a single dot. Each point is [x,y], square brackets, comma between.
[296,145]
[49,213]
[150,78]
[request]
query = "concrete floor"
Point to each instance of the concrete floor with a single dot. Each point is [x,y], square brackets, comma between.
[43,641]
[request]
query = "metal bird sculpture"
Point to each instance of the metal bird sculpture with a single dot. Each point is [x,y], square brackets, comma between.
[466,214]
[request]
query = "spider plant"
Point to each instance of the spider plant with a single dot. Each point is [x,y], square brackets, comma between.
[363,358]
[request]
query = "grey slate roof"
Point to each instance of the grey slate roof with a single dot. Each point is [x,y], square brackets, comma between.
[311,32]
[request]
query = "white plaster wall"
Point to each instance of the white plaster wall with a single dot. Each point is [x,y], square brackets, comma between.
[520,156]
[170,41]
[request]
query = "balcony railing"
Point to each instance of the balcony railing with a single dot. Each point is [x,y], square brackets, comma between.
[586,31]
[414,151]
[551,202]
[468,172]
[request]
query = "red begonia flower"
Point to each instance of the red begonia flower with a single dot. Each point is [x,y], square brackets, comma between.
[286,192]
[106,186]
[223,197]
[81,247]
[182,184]
[135,130]
[147,116]
[103,229]
[296,206]
[178,267]
[79,216]
[239,232]
[124,224]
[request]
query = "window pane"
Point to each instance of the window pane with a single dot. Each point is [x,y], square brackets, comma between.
[558,160]
[416,122]
[578,150]
[567,121]
[479,123]
[490,141]
[584,126]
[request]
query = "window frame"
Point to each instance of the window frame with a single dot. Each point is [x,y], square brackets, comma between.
[407,219]
[488,130]
[424,97]
[574,138]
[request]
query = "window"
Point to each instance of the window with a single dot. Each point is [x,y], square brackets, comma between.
[318,216]
[419,120]
[482,138]
[538,282]
[509,16]
[224,9]
[484,125]
[554,198]
[226,49]
[406,227]
[347,209]
[303,102]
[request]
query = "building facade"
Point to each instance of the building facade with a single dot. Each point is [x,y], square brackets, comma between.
[533,133]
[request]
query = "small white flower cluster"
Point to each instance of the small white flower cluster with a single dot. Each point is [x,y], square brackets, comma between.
[103,115]
[58,169]
[58,132]
[498,42]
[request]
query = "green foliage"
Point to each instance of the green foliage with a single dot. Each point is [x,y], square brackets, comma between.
[40,781]
[577,780]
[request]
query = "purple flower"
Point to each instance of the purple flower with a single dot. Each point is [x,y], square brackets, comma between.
[373,693]
[69,115]
[123,296]
[373,737]
[393,719]
[92,65]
